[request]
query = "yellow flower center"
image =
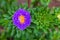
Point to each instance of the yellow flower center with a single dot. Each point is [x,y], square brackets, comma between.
[21,19]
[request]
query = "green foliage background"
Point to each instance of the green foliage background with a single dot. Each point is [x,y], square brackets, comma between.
[44,26]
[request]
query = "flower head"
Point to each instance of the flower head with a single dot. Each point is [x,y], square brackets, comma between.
[21,19]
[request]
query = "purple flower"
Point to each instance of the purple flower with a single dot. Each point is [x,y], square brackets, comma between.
[21,19]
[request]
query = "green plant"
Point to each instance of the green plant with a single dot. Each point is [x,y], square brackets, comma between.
[45,24]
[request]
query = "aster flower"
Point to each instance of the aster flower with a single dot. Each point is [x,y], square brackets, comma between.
[21,19]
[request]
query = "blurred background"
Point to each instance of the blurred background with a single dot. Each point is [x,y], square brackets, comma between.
[45,16]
